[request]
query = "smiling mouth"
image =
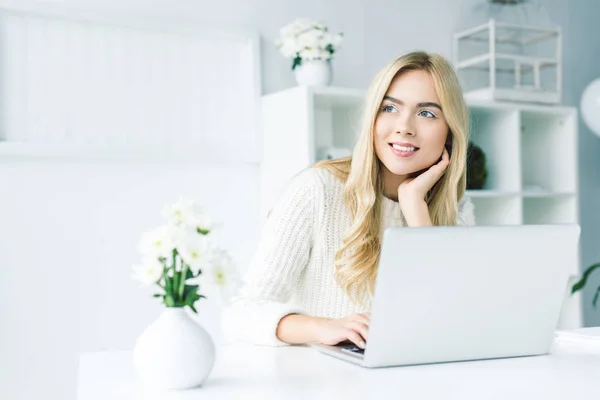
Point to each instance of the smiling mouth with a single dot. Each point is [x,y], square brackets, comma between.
[404,148]
[403,151]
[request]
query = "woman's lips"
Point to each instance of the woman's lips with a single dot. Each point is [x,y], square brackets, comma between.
[404,152]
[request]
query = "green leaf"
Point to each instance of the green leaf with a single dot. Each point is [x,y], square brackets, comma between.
[297,61]
[189,289]
[189,274]
[176,285]
[581,283]
[168,284]
[202,231]
[157,295]
[169,302]
[596,297]
[192,297]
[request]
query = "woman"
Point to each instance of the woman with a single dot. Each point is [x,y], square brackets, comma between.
[312,277]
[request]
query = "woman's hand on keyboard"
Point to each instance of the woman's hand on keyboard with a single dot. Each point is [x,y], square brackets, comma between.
[354,328]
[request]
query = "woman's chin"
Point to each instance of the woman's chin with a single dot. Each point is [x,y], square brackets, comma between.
[402,170]
[406,167]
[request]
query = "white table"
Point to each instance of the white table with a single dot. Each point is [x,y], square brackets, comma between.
[250,372]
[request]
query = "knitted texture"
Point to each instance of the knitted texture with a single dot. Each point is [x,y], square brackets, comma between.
[292,270]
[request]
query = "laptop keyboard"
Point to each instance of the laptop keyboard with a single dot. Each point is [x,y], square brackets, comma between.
[354,350]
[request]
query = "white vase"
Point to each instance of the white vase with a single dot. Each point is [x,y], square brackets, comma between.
[313,73]
[174,352]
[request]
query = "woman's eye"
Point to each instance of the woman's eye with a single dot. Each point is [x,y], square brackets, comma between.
[388,108]
[427,114]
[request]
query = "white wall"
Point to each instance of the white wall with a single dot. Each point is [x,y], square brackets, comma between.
[67,243]
[266,17]
[68,231]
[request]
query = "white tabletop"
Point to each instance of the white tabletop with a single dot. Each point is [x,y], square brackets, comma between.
[249,372]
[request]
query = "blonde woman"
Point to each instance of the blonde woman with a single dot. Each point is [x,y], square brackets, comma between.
[312,276]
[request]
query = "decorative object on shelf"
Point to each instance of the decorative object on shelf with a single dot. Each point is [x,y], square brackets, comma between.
[520,12]
[311,47]
[175,352]
[476,167]
[590,106]
[516,55]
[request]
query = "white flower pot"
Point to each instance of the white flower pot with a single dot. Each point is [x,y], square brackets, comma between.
[174,352]
[313,73]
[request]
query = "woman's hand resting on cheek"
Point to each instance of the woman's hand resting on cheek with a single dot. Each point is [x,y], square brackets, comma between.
[354,328]
[412,191]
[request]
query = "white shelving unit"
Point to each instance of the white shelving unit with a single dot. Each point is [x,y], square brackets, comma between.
[531,154]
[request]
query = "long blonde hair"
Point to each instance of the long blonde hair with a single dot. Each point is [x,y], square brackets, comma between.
[357,259]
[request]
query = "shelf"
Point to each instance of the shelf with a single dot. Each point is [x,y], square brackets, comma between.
[484,58]
[328,96]
[497,210]
[525,194]
[546,194]
[536,33]
[490,193]
[72,152]
[491,105]
[512,95]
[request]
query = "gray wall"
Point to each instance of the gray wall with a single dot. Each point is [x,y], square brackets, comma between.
[582,57]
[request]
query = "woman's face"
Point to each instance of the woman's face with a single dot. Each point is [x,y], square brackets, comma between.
[410,128]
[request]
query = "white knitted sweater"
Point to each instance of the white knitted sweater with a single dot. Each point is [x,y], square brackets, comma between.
[292,270]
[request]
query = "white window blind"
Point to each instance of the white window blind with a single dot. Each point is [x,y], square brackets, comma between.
[109,86]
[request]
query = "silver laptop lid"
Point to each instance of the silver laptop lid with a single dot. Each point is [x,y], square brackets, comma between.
[464,293]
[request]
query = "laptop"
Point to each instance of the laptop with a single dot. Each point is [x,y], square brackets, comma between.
[461,293]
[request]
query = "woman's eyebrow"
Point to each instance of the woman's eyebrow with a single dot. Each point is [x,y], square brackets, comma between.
[425,104]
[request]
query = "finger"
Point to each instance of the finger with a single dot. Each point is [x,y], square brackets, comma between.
[443,159]
[439,168]
[355,338]
[363,319]
[446,155]
[432,175]
[362,329]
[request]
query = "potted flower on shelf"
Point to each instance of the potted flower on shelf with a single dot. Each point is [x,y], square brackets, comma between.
[175,352]
[311,47]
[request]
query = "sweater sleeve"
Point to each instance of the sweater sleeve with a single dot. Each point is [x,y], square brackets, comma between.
[283,251]
[466,212]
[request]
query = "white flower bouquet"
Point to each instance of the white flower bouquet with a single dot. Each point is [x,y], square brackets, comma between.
[183,254]
[304,40]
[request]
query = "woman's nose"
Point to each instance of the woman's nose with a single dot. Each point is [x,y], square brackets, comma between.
[405,125]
